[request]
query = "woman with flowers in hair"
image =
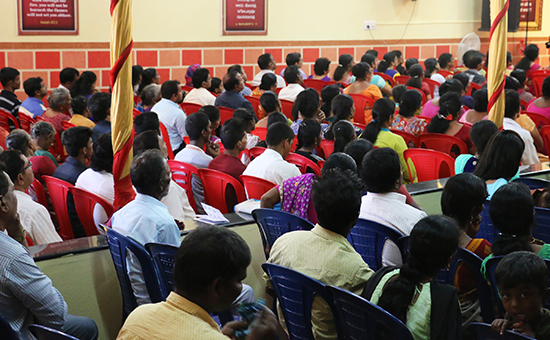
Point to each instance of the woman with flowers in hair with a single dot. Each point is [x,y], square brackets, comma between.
[446,121]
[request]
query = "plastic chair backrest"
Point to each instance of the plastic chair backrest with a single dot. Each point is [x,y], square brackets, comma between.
[6,330]
[386,78]
[303,163]
[427,119]
[473,86]
[295,292]
[255,104]
[316,84]
[445,73]
[357,318]
[328,147]
[164,258]
[430,164]
[135,113]
[537,118]
[442,143]
[58,191]
[57,148]
[5,117]
[166,139]
[361,102]
[473,262]
[410,139]
[538,77]
[119,246]
[486,229]
[542,221]
[533,183]
[225,114]
[424,98]
[46,333]
[26,122]
[274,223]
[181,174]
[190,108]
[260,132]
[368,239]
[402,80]
[187,88]
[66,125]
[545,134]
[85,203]
[215,183]
[255,186]
[432,84]
[256,151]
[287,108]
[39,192]
[484,331]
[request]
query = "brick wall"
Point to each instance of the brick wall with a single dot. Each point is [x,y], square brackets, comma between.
[172,59]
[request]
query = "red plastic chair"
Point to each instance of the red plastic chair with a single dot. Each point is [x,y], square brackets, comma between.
[386,78]
[432,84]
[410,139]
[39,191]
[249,86]
[5,117]
[255,104]
[255,186]
[430,164]
[444,73]
[361,102]
[427,119]
[187,88]
[214,184]
[538,77]
[328,147]
[66,125]
[57,149]
[260,132]
[402,80]
[26,122]
[359,125]
[225,114]
[190,108]
[166,139]
[472,87]
[545,134]
[256,151]
[85,203]
[58,191]
[321,164]
[287,108]
[303,163]
[424,98]
[442,143]
[537,118]
[137,100]
[135,113]
[316,84]
[181,174]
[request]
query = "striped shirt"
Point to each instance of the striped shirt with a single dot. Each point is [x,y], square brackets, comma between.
[26,294]
[9,102]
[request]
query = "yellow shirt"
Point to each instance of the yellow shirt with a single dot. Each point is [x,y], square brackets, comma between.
[80,120]
[176,318]
[325,256]
[386,139]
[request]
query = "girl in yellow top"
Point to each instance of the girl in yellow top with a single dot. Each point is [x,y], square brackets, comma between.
[363,75]
[378,133]
[81,114]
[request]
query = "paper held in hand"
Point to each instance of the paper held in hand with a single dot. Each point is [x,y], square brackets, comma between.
[213,215]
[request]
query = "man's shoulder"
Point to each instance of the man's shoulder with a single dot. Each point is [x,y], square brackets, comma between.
[11,250]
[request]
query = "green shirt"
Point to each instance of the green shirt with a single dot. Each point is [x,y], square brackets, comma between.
[47,154]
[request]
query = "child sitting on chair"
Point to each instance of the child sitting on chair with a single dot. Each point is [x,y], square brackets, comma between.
[522,280]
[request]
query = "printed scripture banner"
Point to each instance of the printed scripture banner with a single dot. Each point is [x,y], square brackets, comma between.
[48,17]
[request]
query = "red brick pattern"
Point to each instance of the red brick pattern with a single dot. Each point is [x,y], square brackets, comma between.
[233,57]
[48,60]
[190,57]
[310,55]
[277,53]
[99,59]
[147,58]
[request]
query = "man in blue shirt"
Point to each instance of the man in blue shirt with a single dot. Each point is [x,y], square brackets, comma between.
[36,90]
[231,98]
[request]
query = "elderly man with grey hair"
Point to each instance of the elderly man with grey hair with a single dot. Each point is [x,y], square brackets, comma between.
[59,101]
[150,95]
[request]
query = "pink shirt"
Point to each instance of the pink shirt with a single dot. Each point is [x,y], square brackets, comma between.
[545,111]
[430,110]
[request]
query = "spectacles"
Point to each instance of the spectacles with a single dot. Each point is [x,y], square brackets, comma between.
[28,166]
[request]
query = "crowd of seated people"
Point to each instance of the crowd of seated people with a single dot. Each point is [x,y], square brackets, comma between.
[362,178]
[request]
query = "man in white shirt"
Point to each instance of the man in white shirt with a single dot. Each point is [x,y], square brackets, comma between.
[170,113]
[271,164]
[198,127]
[35,218]
[201,83]
[294,58]
[295,84]
[267,65]
[512,113]
[382,203]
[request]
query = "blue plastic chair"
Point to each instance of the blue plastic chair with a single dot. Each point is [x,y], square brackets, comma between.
[295,293]
[357,318]
[533,183]
[6,331]
[486,228]
[274,223]
[368,239]
[46,333]
[483,331]
[542,221]
[119,246]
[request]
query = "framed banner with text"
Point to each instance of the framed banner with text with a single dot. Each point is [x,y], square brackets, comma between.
[47,17]
[530,15]
[244,17]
